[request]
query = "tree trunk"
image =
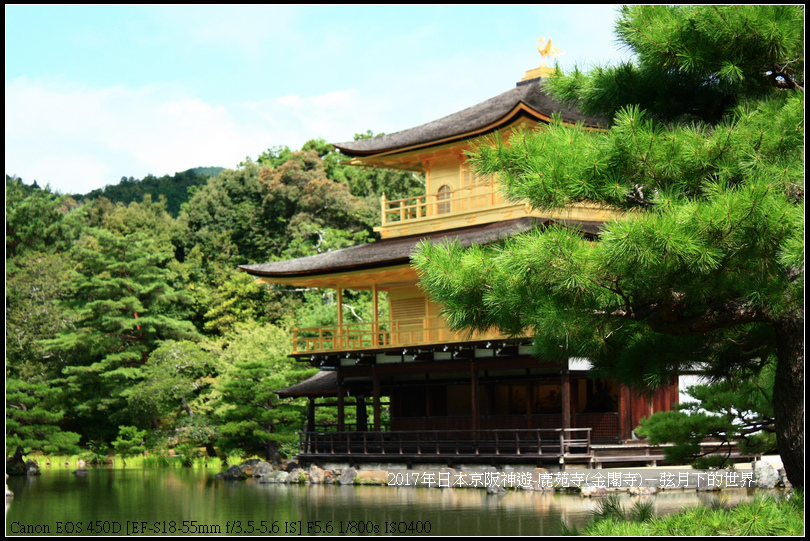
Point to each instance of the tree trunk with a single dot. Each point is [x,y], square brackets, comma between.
[789,398]
[271,453]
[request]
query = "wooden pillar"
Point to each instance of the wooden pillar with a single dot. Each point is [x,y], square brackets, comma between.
[339,333]
[428,408]
[625,413]
[310,438]
[376,400]
[340,408]
[673,396]
[474,395]
[574,401]
[361,414]
[565,384]
[489,400]
[529,401]
[311,415]
[375,310]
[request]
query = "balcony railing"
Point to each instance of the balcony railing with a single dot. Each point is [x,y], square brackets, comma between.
[450,202]
[459,443]
[376,335]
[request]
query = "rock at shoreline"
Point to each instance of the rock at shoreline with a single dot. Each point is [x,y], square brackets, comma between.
[593,492]
[256,468]
[249,468]
[82,471]
[316,475]
[643,491]
[234,473]
[764,475]
[15,465]
[495,489]
[298,476]
[275,477]
[347,477]
[371,477]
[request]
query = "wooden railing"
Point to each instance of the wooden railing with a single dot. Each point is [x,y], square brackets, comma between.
[603,425]
[376,334]
[555,441]
[451,202]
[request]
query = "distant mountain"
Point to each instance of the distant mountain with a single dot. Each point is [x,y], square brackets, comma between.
[208,171]
[173,187]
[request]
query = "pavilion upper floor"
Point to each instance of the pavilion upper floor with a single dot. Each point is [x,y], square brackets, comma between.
[402,315]
[455,196]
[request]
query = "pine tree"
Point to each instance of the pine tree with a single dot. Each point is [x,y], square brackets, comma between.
[706,269]
[252,416]
[730,412]
[33,417]
[123,306]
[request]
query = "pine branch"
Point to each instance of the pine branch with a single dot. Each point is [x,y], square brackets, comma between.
[718,316]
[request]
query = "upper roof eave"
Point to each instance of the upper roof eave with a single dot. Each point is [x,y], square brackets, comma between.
[520,110]
[491,114]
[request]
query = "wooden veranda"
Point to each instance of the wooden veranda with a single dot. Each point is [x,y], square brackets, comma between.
[558,445]
[549,446]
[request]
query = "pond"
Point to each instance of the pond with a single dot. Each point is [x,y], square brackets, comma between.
[174,501]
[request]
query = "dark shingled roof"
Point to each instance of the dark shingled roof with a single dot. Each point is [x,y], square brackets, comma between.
[477,117]
[398,250]
[321,384]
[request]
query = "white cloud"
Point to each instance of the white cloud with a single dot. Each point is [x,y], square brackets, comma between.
[78,138]
[293,119]
[239,29]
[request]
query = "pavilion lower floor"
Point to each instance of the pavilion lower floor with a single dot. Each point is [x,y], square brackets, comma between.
[482,414]
[539,447]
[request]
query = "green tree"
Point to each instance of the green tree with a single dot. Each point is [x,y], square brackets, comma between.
[35,219]
[174,188]
[252,416]
[177,383]
[36,283]
[370,183]
[365,183]
[300,195]
[273,156]
[130,441]
[222,295]
[33,419]
[123,306]
[729,412]
[706,270]
[252,214]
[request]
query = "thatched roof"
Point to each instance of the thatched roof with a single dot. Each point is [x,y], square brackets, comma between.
[528,99]
[321,384]
[397,251]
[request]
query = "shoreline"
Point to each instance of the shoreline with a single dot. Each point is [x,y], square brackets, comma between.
[646,480]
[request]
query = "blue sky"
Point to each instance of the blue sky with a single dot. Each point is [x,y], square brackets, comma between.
[94,93]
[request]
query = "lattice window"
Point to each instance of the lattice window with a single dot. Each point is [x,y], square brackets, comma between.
[408,311]
[443,196]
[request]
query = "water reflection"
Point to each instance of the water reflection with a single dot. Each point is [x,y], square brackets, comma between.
[161,497]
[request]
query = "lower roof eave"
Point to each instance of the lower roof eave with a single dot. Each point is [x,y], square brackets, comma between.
[329,358]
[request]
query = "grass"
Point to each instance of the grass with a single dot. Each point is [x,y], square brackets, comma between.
[57,460]
[764,516]
[148,460]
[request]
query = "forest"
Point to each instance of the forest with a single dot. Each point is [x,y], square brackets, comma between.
[129,326]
